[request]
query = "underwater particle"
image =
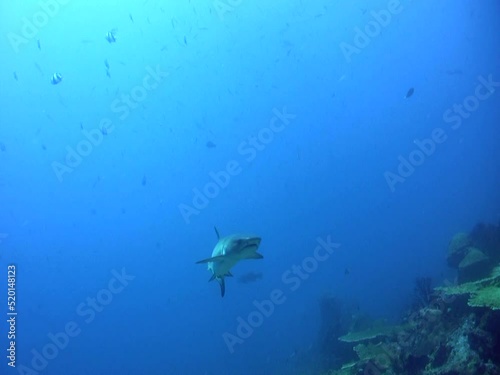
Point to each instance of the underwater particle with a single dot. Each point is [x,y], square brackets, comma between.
[38,44]
[56,78]
[111,36]
[2,147]
[144,180]
[409,93]
[98,179]
[210,144]
[185,41]
[15,76]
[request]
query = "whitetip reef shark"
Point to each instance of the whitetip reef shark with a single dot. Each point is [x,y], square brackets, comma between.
[227,252]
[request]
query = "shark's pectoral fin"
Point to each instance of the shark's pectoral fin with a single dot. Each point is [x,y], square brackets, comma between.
[255,255]
[222,284]
[218,258]
[229,274]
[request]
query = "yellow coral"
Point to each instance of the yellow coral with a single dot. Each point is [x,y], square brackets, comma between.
[368,334]
[486,297]
[483,293]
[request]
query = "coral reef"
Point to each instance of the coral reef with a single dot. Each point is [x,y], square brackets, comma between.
[482,293]
[487,238]
[423,291]
[368,334]
[474,254]
[457,249]
[336,320]
[449,330]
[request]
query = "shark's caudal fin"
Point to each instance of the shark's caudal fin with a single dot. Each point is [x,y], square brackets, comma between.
[221,282]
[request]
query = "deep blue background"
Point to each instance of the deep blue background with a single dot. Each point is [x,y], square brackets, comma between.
[323,175]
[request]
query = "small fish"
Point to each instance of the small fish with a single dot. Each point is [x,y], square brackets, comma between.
[144,180]
[106,64]
[2,147]
[81,125]
[15,76]
[131,18]
[104,130]
[347,271]
[39,69]
[111,36]
[44,148]
[210,144]
[56,78]
[38,44]
[250,277]
[409,93]
[185,41]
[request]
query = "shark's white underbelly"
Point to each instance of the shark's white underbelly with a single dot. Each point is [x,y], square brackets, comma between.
[222,268]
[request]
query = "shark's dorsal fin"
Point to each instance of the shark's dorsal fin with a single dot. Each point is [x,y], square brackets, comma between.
[217,233]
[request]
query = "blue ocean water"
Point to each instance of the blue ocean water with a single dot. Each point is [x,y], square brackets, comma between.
[355,138]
